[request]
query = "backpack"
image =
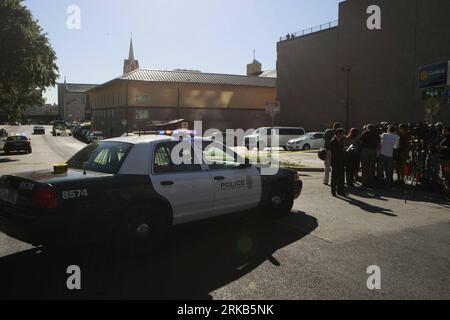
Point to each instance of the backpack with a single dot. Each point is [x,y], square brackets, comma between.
[322,154]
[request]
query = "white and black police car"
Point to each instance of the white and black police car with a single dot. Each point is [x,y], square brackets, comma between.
[131,188]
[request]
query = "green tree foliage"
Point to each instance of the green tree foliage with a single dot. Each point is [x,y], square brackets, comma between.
[27,60]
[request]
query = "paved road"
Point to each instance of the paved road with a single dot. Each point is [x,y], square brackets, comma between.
[321,251]
[47,150]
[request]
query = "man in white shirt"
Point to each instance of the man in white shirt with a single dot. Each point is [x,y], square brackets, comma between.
[389,142]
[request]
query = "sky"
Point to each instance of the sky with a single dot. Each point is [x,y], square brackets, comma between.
[216,36]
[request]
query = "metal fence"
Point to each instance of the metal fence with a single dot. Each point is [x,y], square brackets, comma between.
[307,31]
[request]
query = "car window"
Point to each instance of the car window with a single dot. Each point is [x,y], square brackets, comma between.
[218,157]
[318,136]
[296,132]
[106,157]
[17,138]
[163,163]
[291,132]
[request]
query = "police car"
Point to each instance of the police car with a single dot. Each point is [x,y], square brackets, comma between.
[135,189]
[17,143]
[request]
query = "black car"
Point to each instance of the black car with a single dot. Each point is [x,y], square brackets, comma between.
[18,142]
[38,130]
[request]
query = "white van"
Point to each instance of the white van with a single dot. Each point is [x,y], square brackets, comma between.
[261,138]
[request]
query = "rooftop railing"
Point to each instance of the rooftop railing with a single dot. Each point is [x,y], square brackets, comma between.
[307,31]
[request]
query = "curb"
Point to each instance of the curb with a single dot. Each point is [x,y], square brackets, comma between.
[306,169]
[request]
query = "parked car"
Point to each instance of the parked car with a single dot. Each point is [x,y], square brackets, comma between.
[95,136]
[261,138]
[17,142]
[311,140]
[38,130]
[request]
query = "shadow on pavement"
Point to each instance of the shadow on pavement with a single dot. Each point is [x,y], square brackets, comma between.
[199,258]
[6,160]
[407,193]
[18,153]
[368,207]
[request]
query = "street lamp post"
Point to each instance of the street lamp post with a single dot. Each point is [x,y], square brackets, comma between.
[347,70]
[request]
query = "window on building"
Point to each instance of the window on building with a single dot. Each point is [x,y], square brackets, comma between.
[142,114]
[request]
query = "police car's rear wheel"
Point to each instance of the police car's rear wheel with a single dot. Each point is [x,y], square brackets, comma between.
[143,232]
[280,201]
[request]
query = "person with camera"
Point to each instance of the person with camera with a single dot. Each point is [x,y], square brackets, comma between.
[337,163]
[434,161]
[402,153]
[328,136]
[352,156]
[370,143]
[444,148]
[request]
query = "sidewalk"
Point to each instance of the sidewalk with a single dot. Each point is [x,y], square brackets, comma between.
[306,161]
[309,161]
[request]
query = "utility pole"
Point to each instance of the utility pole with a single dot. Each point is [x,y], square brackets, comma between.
[347,70]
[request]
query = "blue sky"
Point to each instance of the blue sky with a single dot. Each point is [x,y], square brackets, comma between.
[207,35]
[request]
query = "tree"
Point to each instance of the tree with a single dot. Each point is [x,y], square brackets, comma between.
[27,60]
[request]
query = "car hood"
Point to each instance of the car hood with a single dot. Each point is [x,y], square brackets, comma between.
[297,140]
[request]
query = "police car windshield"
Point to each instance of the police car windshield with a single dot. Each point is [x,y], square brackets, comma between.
[105,157]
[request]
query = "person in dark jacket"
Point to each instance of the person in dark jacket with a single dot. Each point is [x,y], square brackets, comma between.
[444,148]
[370,144]
[337,149]
[352,157]
[328,136]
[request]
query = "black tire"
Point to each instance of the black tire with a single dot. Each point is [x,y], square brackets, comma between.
[280,201]
[285,148]
[306,147]
[142,231]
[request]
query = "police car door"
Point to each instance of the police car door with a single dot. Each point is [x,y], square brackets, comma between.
[188,187]
[236,187]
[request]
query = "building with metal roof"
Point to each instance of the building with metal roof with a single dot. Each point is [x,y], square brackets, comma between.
[143,98]
[197,77]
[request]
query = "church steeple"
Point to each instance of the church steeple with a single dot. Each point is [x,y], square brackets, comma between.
[254,68]
[131,54]
[130,64]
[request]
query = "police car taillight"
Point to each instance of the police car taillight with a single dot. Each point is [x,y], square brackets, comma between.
[44,197]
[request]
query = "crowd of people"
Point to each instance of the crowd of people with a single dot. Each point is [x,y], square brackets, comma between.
[376,154]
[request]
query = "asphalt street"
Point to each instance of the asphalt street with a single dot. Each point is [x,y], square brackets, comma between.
[321,251]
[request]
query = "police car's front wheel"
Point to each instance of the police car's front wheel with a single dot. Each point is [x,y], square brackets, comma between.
[280,201]
[142,232]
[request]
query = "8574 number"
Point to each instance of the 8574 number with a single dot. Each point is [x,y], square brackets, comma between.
[74,194]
